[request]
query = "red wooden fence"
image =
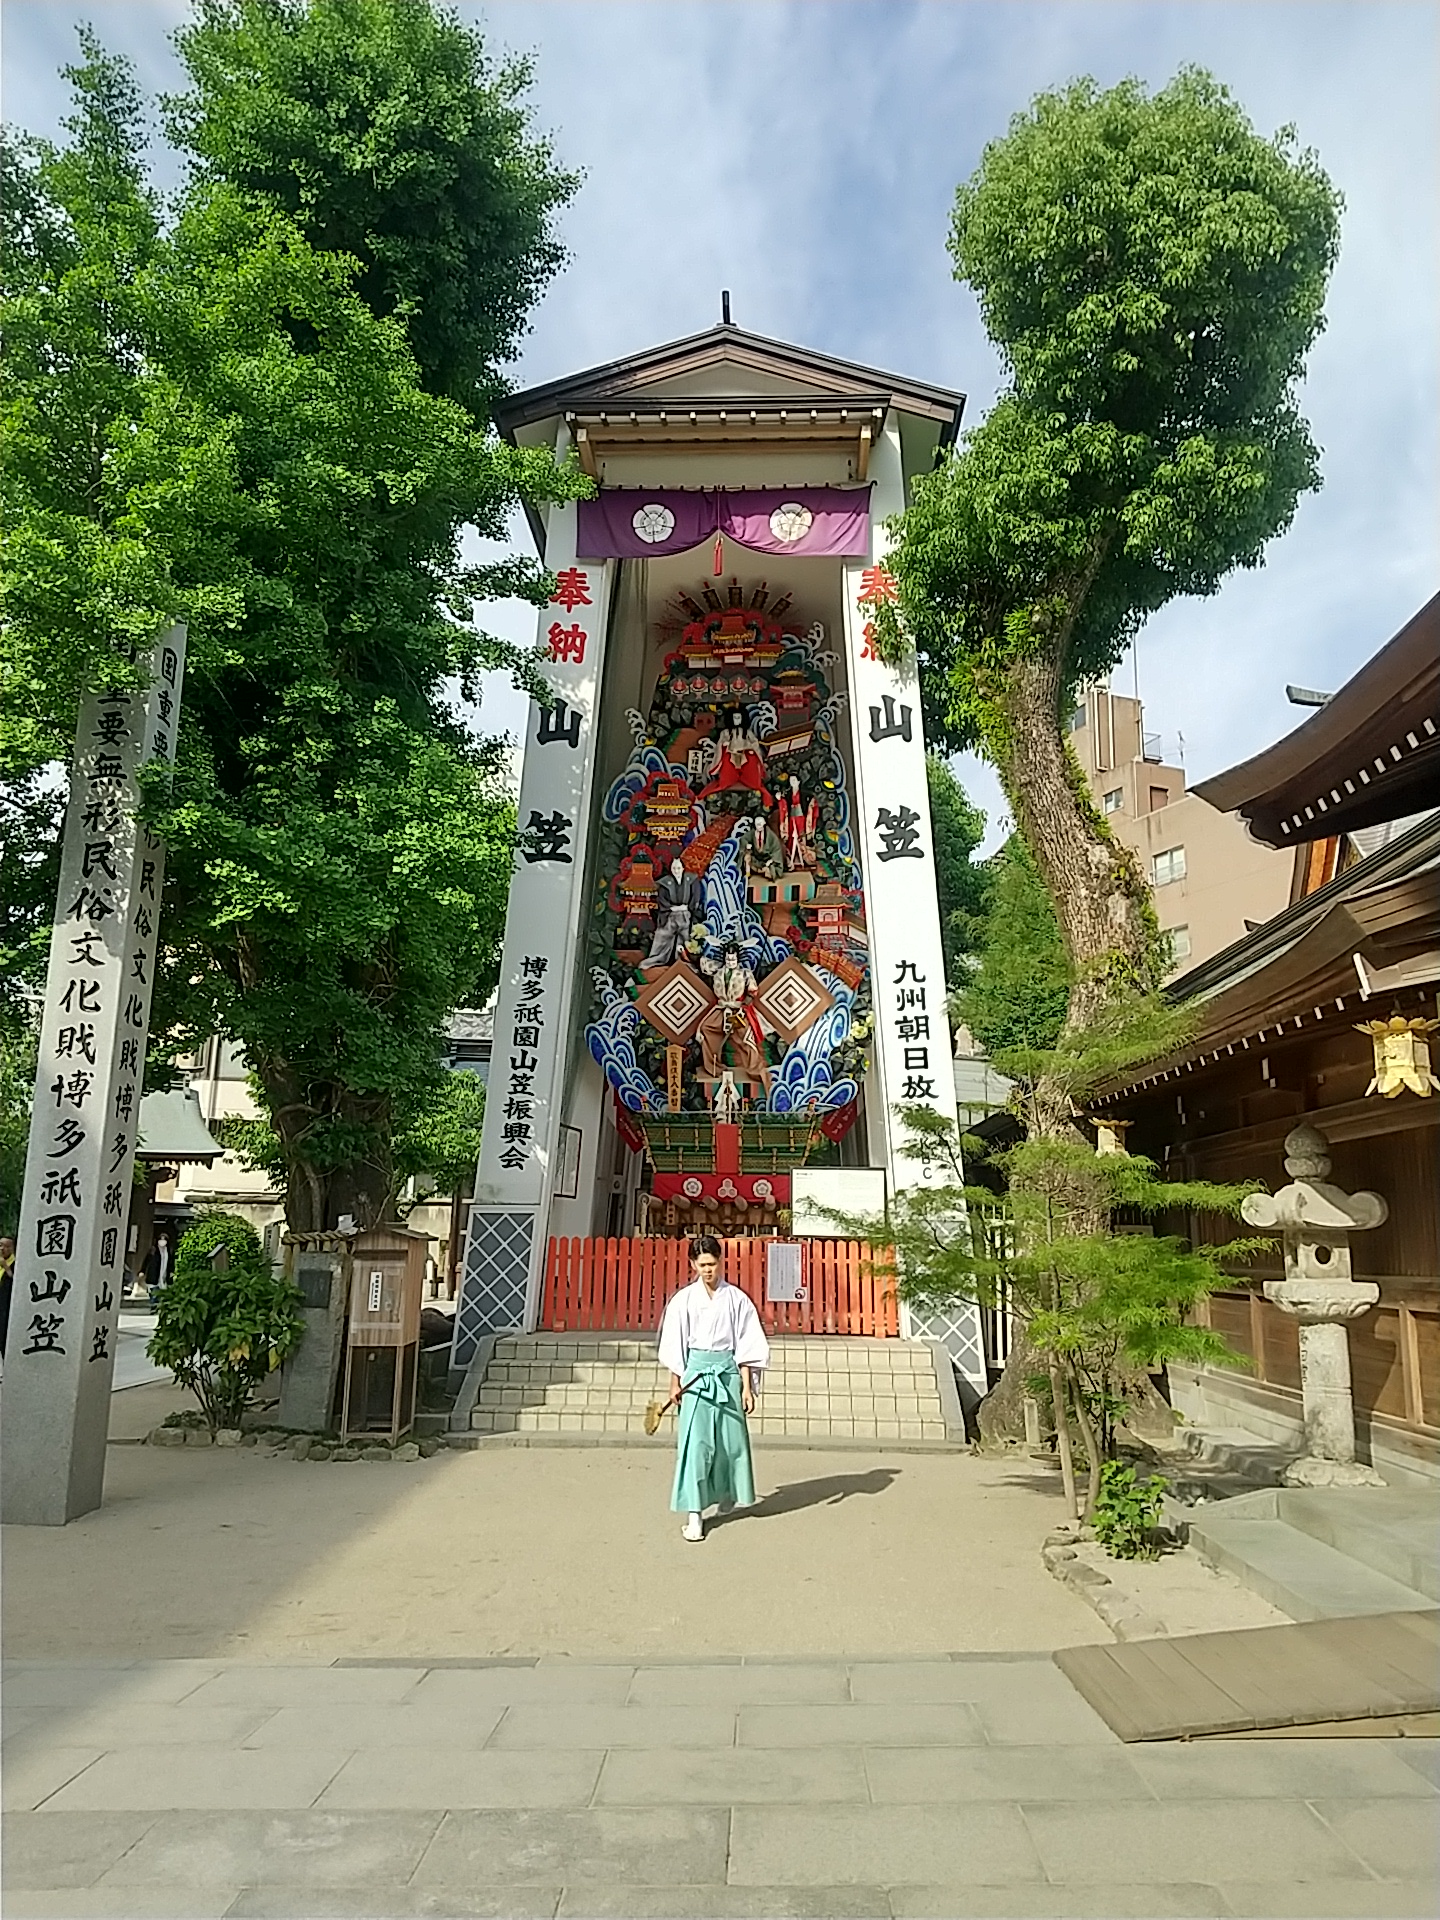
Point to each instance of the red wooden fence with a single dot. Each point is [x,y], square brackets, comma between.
[622,1286]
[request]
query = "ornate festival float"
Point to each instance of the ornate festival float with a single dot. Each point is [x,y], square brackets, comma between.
[722,973]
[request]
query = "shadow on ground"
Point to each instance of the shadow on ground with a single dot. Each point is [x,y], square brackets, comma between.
[827,1492]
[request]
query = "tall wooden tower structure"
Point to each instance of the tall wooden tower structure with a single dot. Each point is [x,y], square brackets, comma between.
[722,971]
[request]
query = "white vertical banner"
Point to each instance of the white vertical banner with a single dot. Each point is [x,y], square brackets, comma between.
[913,1048]
[69,1268]
[913,1063]
[543,927]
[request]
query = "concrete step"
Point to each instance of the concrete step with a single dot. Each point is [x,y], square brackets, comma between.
[1294,1570]
[557,1394]
[799,1426]
[825,1352]
[1230,1453]
[597,1384]
[1394,1531]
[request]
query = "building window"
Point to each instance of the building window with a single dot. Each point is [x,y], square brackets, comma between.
[1180,943]
[1114,800]
[1168,866]
[1159,797]
[1077,719]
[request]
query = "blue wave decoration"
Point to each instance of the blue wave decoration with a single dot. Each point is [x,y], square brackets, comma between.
[804,1079]
[611,1040]
[730,916]
[642,763]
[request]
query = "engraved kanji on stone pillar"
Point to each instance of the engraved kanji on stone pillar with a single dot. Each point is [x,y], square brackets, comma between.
[70,1258]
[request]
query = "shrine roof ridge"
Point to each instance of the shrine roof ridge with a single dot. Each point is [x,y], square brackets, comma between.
[1385,903]
[846,381]
[1371,754]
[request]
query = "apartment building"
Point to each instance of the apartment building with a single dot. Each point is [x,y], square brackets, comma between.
[1212,883]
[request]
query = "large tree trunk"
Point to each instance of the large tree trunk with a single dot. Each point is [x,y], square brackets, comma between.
[1102,904]
[317,1197]
[1101,898]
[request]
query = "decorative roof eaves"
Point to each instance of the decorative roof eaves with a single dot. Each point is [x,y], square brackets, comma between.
[616,377]
[1271,944]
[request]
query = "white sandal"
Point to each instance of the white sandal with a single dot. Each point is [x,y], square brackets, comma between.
[694,1528]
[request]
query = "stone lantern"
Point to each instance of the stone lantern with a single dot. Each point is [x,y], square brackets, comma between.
[1315,1221]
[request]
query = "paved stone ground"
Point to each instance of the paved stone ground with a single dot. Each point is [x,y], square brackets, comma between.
[961,1786]
[235,1554]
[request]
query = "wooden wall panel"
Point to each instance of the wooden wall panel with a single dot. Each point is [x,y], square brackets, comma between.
[1376,1367]
[1282,1347]
[1230,1318]
[1405,1169]
[1427,1340]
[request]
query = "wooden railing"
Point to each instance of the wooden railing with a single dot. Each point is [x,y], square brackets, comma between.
[622,1285]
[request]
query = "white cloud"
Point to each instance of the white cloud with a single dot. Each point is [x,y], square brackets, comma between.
[805,155]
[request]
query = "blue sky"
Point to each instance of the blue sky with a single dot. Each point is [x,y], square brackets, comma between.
[805,155]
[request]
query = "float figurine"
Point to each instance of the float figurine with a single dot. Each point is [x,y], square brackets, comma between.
[741,762]
[731,1022]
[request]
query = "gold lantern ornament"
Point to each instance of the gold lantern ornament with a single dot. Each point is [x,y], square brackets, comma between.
[1402,1055]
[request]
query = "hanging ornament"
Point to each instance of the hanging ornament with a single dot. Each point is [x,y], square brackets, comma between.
[719,555]
[1402,1055]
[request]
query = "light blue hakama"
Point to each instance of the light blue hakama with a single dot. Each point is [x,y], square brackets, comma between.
[712,1461]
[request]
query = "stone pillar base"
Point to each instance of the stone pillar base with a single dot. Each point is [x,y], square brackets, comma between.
[1311,1471]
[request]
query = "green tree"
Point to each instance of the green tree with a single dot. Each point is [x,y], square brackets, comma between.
[442,1145]
[960,881]
[1095,1308]
[384,129]
[1017,993]
[1153,274]
[225,1319]
[264,458]
[31,809]
[17,1084]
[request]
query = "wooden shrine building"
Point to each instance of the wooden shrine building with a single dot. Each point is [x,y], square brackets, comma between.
[1285,1034]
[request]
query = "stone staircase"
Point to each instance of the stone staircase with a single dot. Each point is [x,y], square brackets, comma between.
[1322,1553]
[831,1390]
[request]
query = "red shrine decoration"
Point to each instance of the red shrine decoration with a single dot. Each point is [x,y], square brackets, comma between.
[730,917]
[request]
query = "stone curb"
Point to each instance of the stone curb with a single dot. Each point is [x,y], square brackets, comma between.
[1124,1619]
[759,1442]
[951,1410]
[298,1446]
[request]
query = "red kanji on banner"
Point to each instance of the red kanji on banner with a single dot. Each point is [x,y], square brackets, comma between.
[876,584]
[567,643]
[867,634]
[572,589]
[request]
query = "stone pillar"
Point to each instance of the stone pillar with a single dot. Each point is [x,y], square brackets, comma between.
[319,1266]
[1315,1221]
[94,1027]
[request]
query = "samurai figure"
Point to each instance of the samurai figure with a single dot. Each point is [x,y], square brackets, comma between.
[732,1022]
[761,851]
[679,903]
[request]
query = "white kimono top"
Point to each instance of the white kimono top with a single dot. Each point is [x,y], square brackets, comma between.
[723,1323]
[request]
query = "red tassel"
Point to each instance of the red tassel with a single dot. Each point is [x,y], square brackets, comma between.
[719,555]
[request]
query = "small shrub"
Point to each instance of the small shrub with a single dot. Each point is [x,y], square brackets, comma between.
[1128,1512]
[220,1330]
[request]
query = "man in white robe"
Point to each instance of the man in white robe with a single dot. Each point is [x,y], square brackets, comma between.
[715,1348]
